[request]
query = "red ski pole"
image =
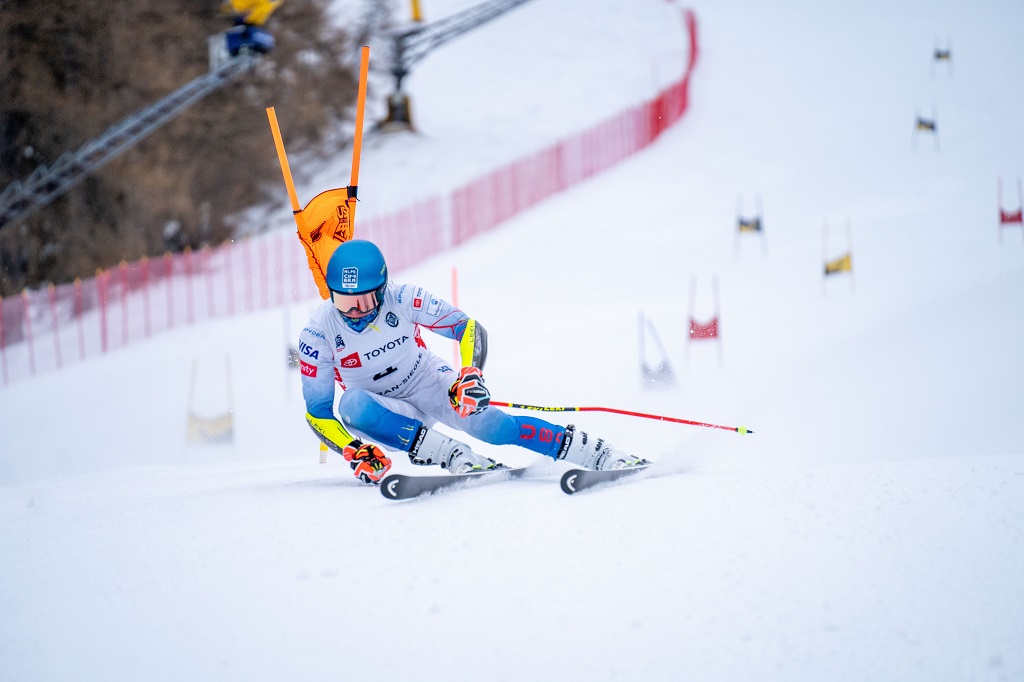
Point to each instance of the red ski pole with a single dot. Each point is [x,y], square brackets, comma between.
[518,406]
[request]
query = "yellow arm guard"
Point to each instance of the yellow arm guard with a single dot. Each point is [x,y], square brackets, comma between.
[473,346]
[332,433]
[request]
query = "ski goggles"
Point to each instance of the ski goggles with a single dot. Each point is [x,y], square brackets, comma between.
[353,304]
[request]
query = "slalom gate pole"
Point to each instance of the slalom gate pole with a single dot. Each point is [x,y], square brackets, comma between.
[282,157]
[738,429]
[357,143]
[283,160]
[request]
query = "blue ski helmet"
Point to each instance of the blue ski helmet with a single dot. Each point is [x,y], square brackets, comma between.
[357,277]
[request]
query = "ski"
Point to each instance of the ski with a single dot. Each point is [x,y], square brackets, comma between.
[577,480]
[404,487]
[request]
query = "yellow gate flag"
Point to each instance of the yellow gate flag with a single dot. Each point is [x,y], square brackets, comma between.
[841,264]
[752,225]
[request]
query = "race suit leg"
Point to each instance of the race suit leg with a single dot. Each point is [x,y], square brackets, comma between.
[388,421]
[394,420]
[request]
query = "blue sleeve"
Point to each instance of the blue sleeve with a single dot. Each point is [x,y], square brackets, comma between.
[316,363]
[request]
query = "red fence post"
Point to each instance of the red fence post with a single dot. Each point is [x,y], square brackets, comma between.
[472,209]
[264,275]
[28,335]
[211,309]
[279,279]
[145,297]
[294,274]
[169,283]
[247,274]
[190,313]
[52,290]
[228,248]
[79,314]
[101,288]
[124,302]
[280,261]
[455,210]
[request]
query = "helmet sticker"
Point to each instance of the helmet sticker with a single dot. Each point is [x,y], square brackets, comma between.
[350,278]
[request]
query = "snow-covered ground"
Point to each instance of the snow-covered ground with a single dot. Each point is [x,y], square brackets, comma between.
[871,528]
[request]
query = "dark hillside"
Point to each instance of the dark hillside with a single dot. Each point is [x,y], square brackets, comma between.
[71,69]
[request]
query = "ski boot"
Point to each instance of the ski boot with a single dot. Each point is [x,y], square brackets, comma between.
[433,447]
[588,452]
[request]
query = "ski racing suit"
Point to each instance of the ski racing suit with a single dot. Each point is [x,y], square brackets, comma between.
[393,384]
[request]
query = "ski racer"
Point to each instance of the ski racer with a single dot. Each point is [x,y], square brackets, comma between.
[366,337]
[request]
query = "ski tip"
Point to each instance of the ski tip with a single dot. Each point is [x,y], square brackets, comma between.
[389,486]
[568,481]
[578,480]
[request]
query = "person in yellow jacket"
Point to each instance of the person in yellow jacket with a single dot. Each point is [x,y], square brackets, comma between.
[251,12]
[249,16]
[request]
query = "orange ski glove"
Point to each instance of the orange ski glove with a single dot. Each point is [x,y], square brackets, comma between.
[369,463]
[468,395]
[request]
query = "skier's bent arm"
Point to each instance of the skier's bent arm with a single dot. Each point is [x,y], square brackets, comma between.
[369,462]
[444,319]
[473,345]
[332,433]
[318,392]
[470,334]
[468,395]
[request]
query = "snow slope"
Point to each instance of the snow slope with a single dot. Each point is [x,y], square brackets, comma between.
[872,528]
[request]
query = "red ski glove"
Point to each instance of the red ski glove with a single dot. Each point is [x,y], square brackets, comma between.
[468,395]
[369,463]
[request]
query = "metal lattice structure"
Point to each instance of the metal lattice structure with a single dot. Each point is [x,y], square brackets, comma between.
[414,44]
[22,199]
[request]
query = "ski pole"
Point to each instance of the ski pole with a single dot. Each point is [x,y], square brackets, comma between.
[518,406]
